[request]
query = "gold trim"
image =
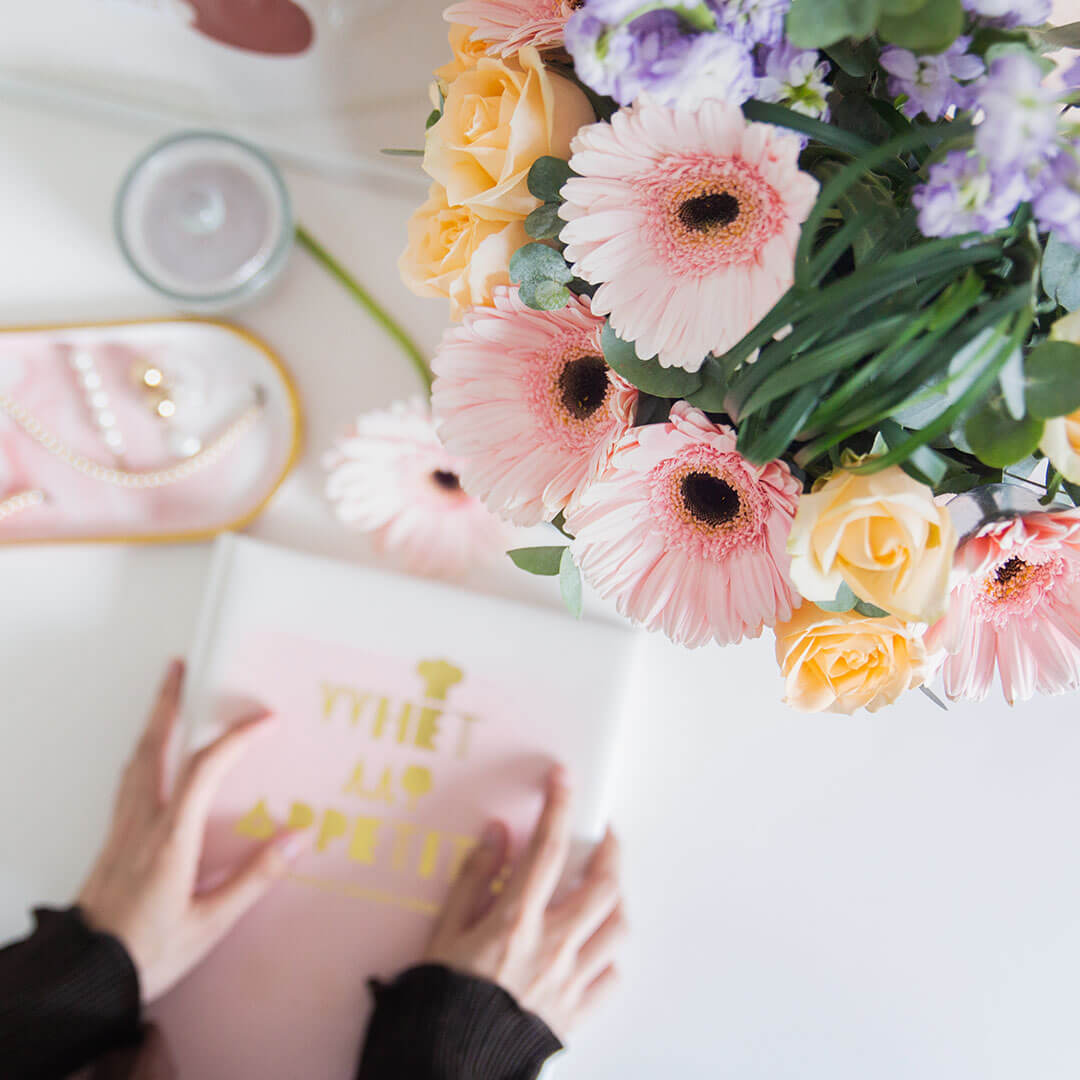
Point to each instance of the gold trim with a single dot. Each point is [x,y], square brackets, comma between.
[361,892]
[194,535]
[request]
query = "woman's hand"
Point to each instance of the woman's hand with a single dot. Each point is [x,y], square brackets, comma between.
[557,960]
[142,887]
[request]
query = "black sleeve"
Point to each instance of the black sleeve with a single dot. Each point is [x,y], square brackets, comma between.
[432,1023]
[68,994]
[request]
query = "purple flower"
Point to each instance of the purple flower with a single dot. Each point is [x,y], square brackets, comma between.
[794,78]
[1010,13]
[1021,115]
[933,84]
[964,194]
[659,54]
[753,22]
[1071,75]
[1056,200]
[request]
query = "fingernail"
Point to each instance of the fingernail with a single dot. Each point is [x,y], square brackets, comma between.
[491,837]
[294,843]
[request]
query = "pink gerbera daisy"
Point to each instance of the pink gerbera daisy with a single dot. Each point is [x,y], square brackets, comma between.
[1018,609]
[510,25]
[687,535]
[391,477]
[688,221]
[526,402]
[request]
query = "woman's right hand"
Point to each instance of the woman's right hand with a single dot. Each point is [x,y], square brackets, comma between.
[557,960]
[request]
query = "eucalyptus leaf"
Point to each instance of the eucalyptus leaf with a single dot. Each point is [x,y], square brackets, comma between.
[544,561]
[1011,381]
[815,24]
[871,611]
[1052,376]
[996,438]
[546,178]
[646,375]
[856,59]
[845,600]
[931,28]
[544,222]
[1061,37]
[433,118]
[544,295]
[570,584]
[538,262]
[1061,272]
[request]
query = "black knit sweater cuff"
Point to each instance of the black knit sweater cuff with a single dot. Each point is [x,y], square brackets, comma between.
[67,995]
[432,1023]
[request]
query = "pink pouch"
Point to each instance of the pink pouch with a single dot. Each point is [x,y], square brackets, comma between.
[162,430]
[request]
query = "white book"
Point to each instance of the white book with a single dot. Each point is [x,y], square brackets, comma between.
[406,715]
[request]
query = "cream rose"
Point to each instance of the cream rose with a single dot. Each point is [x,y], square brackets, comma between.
[498,118]
[883,535]
[840,662]
[1061,436]
[455,254]
[466,53]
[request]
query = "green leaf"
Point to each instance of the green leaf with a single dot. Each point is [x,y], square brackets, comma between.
[1061,272]
[538,262]
[1061,37]
[925,465]
[1052,375]
[856,59]
[544,561]
[433,118]
[930,29]
[871,611]
[546,178]
[570,584]
[996,438]
[544,222]
[845,600]
[767,112]
[646,375]
[815,24]
[544,295]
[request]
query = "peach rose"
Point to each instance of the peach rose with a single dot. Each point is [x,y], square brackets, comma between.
[498,118]
[883,535]
[1061,435]
[454,253]
[842,661]
[466,54]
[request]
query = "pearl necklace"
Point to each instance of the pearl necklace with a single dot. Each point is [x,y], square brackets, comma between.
[23,501]
[125,478]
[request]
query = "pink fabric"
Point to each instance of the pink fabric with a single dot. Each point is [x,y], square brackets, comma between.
[35,372]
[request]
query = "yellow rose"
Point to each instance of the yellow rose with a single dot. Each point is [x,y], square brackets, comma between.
[498,118]
[466,53]
[1061,435]
[454,253]
[840,662]
[883,535]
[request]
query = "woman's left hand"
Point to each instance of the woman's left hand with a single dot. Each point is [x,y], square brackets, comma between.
[142,889]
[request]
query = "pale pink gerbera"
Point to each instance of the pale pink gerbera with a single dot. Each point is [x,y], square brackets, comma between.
[391,477]
[687,535]
[510,25]
[1018,609]
[688,221]
[526,402]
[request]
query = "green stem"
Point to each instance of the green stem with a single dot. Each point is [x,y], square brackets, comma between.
[366,301]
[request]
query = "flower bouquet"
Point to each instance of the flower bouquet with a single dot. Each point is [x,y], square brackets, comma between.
[764,304]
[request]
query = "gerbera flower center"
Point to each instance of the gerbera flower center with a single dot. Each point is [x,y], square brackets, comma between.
[704,212]
[1016,587]
[583,386]
[447,481]
[708,498]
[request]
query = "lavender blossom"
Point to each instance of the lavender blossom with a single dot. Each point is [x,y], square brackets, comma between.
[1021,118]
[1056,199]
[933,84]
[794,78]
[1071,75]
[1010,13]
[964,194]
[753,22]
[658,54]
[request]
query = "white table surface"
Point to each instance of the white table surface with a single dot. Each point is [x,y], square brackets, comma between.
[812,897]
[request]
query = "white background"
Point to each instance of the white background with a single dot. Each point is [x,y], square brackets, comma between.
[812,897]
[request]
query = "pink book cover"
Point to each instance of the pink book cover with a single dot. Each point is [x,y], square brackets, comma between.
[407,714]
